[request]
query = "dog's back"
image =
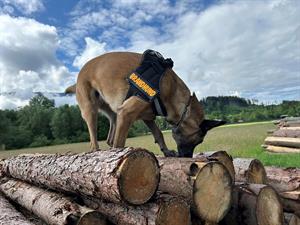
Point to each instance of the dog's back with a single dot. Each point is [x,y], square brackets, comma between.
[106,74]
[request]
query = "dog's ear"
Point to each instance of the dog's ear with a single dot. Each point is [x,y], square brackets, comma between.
[206,125]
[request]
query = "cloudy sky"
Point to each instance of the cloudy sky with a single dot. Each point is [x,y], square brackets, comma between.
[249,48]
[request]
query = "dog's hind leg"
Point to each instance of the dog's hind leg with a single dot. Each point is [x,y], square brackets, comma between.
[89,111]
[159,138]
[112,117]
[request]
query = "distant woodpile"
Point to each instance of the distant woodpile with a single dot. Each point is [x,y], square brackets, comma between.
[134,187]
[286,138]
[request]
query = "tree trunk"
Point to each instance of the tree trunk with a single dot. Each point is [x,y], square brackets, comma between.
[209,192]
[9,215]
[254,204]
[283,180]
[283,141]
[291,219]
[249,170]
[281,149]
[53,208]
[166,210]
[130,175]
[287,133]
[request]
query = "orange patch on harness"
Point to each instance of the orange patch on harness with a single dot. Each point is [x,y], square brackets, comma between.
[142,84]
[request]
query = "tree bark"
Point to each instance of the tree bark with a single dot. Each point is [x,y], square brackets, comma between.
[129,175]
[177,175]
[53,208]
[165,210]
[283,141]
[210,177]
[9,215]
[283,180]
[281,149]
[249,170]
[254,204]
[286,133]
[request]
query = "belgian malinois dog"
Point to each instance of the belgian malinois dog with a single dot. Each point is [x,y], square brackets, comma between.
[102,86]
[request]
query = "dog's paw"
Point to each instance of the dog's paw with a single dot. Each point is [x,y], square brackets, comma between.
[170,153]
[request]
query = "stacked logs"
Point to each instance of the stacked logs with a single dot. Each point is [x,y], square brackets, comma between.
[132,186]
[285,139]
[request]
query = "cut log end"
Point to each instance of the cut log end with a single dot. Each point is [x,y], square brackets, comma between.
[212,192]
[256,173]
[139,177]
[92,218]
[269,209]
[224,158]
[174,212]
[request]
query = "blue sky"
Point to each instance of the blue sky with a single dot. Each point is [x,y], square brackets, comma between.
[248,48]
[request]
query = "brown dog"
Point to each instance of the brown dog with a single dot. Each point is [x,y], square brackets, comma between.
[102,86]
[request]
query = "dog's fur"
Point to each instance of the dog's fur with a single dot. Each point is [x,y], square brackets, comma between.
[102,86]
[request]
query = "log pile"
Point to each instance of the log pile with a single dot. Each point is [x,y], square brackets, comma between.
[134,187]
[286,138]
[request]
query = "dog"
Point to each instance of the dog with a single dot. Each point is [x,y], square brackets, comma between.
[102,86]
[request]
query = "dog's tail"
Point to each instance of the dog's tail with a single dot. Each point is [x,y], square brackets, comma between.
[71,89]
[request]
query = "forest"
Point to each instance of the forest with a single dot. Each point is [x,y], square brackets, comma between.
[40,123]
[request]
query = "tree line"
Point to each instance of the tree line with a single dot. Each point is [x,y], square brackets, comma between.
[40,123]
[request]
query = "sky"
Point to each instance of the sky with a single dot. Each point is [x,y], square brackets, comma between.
[246,48]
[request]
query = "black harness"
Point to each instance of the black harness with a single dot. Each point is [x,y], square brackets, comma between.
[144,81]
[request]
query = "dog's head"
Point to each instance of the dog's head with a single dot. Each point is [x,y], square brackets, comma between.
[193,129]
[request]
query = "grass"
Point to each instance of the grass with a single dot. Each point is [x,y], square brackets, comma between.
[240,140]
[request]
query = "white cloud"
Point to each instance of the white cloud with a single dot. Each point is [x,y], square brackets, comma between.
[24,6]
[92,49]
[249,48]
[28,59]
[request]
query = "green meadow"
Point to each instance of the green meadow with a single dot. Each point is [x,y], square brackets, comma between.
[239,140]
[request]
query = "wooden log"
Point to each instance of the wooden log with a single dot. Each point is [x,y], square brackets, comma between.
[286,133]
[290,124]
[166,210]
[294,195]
[30,216]
[9,215]
[249,170]
[280,149]
[177,175]
[129,175]
[211,177]
[291,206]
[254,204]
[53,208]
[291,219]
[284,141]
[290,119]
[289,128]
[222,157]
[283,180]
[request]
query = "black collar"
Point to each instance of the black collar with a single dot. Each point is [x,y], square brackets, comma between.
[182,117]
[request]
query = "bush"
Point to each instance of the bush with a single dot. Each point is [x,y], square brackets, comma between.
[39,141]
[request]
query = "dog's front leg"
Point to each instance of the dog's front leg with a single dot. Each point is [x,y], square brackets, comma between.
[127,113]
[159,138]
